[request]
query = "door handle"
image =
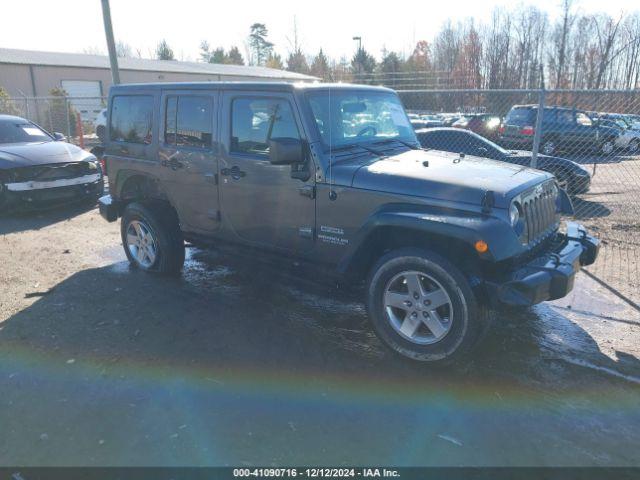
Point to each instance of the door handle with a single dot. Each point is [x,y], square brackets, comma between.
[173,164]
[234,172]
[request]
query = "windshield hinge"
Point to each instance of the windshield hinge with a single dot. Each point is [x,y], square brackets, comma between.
[308,191]
[488,201]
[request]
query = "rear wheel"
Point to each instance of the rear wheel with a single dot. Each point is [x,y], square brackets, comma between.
[151,238]
[548,147]
[422,307]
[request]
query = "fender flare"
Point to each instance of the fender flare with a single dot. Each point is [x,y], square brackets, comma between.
[466,227]
[125,174]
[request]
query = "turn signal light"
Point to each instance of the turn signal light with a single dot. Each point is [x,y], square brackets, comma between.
[481,246]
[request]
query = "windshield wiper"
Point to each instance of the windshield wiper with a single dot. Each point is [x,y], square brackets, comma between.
[356,145]
[406,144]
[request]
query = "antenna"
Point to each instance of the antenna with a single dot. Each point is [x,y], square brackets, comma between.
[330,146]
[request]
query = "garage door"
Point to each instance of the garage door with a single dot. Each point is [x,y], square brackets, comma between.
[85,96]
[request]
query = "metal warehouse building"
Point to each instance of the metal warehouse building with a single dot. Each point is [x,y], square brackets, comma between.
[26,73]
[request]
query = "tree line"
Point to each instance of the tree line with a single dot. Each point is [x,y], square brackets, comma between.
[517,48]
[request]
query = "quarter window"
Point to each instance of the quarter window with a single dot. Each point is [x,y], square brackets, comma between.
[188,121]
[255,121]
[131,119]
[583,119]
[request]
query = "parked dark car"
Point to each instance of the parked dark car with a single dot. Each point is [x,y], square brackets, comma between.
[419,121]
[39,169]
[277,172]
[629,138]
[484,124]
[571,176]
[563,129]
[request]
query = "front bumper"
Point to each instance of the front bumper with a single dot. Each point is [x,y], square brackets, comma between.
[549,276]
[109,209]
[35,194]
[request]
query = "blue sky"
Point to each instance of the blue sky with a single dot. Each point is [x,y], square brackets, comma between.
[74,25]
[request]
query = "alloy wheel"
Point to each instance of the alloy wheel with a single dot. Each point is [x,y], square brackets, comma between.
[418,307]
[141,243]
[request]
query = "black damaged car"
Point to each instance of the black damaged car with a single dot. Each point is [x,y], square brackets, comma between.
[41,170]
[571,176]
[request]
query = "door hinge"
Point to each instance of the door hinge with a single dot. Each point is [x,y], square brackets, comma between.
[308,191]
[305,232]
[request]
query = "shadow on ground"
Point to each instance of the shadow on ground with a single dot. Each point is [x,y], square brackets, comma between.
[237,365]
[23,220]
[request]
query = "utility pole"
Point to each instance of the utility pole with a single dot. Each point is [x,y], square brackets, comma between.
[359,40]
[538,128]
[111,45]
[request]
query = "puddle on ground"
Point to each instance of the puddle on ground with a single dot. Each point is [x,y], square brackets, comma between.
[570,331]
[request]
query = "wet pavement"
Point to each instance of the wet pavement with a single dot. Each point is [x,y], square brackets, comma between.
[236,364]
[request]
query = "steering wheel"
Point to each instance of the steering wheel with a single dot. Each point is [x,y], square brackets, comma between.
[367,129]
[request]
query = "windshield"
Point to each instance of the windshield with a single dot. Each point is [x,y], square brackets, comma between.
[21,131]
[347,118]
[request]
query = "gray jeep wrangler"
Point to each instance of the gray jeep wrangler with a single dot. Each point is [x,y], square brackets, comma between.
[331,179]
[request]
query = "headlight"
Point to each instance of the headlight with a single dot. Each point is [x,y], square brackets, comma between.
[514,214]
[94,164]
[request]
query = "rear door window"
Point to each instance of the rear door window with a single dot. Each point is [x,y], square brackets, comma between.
[188,121]
[520,116]
[131,119]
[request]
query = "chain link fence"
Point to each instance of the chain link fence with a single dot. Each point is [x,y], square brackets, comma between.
[590,140]
[79,119]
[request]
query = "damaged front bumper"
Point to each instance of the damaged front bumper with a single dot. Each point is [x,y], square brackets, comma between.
[44,193]
[549,276]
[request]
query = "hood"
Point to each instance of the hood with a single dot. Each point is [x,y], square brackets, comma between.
[445,178]
[32,154]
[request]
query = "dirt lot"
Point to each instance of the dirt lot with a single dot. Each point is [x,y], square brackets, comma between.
[611,211]
[237,365]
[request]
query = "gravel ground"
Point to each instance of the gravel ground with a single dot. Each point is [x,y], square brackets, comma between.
[235,365]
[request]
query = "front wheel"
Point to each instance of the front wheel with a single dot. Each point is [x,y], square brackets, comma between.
[634,145]
[151,238]
[607,147]
[422,307]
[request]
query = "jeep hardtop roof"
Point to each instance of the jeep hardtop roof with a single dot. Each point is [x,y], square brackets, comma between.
[264,86]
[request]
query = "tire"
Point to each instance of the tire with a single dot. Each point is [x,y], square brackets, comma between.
[548,147]
[100,132]
[607,148]
[634,146]
[464,320]
[164,245]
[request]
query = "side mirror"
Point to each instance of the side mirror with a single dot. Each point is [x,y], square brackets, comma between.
[59,137]
[285,151]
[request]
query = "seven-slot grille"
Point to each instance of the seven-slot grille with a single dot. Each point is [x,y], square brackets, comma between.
[539,212]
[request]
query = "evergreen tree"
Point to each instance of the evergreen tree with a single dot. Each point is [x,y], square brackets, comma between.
[260,47]
[234,57]
[164,51]
[320,67]
[297,62]
[274,61]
